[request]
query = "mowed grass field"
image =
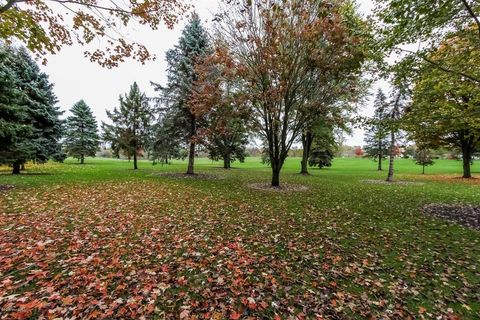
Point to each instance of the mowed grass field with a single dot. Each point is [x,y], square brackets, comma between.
[101,240]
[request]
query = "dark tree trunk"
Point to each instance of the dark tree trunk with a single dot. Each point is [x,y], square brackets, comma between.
[380,155]
[275,175]
[423,169]
[166,159]
[82,159]
[392,157]
[16,167]
[191,158]
[135,166]
[467,159]
[226,162]
[307,139]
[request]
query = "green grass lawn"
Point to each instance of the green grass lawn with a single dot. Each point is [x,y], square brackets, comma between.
[101,240]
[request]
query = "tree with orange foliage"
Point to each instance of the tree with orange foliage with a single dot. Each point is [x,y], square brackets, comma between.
[44,26]
[218,100]
[281,49]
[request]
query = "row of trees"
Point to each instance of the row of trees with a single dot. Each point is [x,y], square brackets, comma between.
[284,71]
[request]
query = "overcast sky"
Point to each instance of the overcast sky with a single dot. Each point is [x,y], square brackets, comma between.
[75,77]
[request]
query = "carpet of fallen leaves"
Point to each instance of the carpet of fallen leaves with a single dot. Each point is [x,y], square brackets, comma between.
[146,250]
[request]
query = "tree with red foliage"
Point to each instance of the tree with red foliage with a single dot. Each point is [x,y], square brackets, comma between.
[281,49]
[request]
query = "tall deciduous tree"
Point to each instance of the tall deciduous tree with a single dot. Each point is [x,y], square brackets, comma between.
[280,47]
[36,128]
[394,123]
[218,100]
[376,141]
[192,47]
[44,26]
[131,124]
[81,134]
[444,111]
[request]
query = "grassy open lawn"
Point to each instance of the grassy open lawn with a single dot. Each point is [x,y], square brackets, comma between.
[104,241]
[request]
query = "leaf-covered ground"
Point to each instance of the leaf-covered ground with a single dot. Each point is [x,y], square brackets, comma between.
[102,241]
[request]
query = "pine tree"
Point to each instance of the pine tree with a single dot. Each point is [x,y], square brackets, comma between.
[12,114]
[130,130]
[166,145]
[191,48]
[81,136]
[376,136]
[33,112]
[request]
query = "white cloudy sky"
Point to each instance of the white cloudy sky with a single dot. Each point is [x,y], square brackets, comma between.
[77,78]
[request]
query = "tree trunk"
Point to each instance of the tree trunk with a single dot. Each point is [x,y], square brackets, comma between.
[467,159]
[392,157]
[275,176]
[191,158]
[307,139]
[423,169]
[82,159]
[22,167]
[16,167]
[226,162]
[166,159]
[135,166]
[380,155]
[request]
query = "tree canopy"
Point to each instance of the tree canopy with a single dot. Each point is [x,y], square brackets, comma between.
[44,26]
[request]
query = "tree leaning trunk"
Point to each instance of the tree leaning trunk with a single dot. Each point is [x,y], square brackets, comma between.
[467,159]
[191,158]
[16,167]
[392,158]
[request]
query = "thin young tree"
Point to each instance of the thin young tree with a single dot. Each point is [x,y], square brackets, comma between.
[393,121]
[131,123]
[376,135]
[424,157]
[81,132]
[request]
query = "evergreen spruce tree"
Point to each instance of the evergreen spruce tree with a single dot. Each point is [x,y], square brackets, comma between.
[166,145]
[12,114]
[130,130]
[191,48]
[81,136]
[376,136]
[35,128]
